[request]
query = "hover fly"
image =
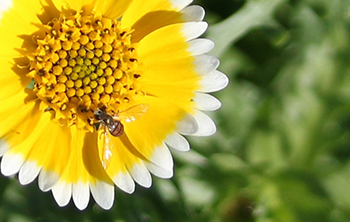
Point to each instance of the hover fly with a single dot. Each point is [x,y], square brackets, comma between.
[113,126]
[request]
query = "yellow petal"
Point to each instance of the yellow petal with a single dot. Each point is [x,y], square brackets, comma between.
[67,152]
[123,154]
[173,47]
[13,79]
[83,164]
[19,24]
[174,81]
[75,5]
[153,21]
[141,136]
[126,163]
[150,129]
[169,68]
[113,9]
[14,114]
[139,8]
[39,140]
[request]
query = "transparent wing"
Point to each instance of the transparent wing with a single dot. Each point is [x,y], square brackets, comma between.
[133,113]
[105,146]
[107,150]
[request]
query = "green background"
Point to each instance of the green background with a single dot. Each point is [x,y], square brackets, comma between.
[281,152]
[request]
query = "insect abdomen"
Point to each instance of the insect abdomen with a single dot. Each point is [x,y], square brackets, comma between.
[116,129]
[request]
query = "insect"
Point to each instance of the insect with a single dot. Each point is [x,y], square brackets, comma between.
[113,126]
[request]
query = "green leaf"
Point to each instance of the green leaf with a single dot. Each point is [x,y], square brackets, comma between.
[254,14]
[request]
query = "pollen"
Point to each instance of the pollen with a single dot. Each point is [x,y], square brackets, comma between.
[84,62]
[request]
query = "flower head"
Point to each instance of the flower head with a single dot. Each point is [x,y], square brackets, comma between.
[94,92]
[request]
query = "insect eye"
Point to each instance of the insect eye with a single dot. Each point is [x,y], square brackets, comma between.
[98,112]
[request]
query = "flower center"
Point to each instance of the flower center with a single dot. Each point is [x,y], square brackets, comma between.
[84,62]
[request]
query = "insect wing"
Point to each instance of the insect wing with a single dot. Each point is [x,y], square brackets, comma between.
[133,113]
[107,150]
[105,146]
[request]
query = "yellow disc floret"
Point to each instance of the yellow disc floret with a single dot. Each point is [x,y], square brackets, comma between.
[82,63]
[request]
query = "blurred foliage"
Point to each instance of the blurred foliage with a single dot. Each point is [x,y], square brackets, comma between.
[281,152]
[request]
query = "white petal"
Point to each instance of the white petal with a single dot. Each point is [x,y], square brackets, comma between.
[188,125]
[4,147]
[193,13]
[4,5]
[11,163]
[125,182]
[206,124]
[81,195]
[47,179]
[158,171]
[161,156]
[200,46]
[141,175]
[192,30]
[206,102]
[214,81]
[180,4]
[62,192]
[28,172]
[103,194]
[205,64]
[177,141]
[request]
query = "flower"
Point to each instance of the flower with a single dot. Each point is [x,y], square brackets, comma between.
[76,72]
